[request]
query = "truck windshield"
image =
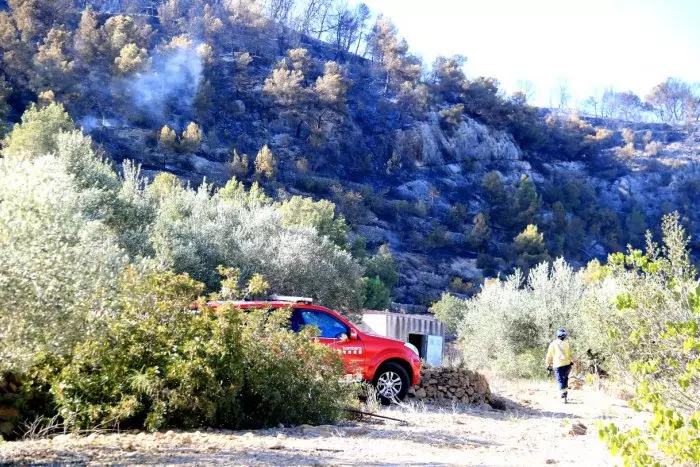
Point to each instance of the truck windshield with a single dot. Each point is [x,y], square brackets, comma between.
[330,327]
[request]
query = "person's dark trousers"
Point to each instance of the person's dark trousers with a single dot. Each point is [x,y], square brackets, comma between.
[562,374]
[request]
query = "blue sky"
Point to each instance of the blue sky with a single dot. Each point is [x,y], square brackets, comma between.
[627,44]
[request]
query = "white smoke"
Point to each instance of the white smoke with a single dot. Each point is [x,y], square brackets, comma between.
[170,83]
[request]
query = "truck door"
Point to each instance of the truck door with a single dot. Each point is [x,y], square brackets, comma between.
[335,334]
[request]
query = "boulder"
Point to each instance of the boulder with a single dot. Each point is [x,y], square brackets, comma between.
[416,190]
[577,429]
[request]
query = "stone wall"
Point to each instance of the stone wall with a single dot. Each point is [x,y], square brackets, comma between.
[456,384]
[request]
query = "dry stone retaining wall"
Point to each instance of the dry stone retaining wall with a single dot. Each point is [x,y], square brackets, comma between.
[457,384]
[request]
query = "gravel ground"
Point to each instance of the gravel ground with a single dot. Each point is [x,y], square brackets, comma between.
[533,430]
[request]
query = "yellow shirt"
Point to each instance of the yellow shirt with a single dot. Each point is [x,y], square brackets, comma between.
[559,353]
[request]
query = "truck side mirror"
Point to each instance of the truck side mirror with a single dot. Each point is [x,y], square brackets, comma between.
[353,335]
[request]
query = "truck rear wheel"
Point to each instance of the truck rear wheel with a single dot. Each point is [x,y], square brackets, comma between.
[391,382]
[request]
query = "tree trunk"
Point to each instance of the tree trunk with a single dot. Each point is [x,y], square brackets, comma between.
[359,41]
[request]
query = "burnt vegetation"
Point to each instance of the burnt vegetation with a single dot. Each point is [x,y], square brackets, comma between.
[335,106]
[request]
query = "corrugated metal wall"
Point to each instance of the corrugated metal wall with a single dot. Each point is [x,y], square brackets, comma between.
[400,326]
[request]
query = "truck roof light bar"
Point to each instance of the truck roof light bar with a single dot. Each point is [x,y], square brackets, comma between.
[287,298]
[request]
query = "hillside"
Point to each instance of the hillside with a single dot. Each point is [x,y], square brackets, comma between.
[459,180]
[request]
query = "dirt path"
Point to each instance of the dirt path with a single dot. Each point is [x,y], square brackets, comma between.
[532,431]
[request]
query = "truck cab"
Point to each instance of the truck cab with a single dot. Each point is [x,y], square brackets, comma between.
[390,365]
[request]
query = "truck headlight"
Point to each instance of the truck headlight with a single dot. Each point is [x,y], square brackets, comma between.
[412,347]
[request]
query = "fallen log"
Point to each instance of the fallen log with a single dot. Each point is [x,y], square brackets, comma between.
[370,414]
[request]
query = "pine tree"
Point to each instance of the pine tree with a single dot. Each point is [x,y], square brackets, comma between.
[86,41]
[560,220]
[265,163]
[54,63]
[530,248]
[130,59]
[192,137]
[167,138]
[480,232]
[527,203]
[239,164]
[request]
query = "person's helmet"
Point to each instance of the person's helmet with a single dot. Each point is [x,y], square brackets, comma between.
[561,334]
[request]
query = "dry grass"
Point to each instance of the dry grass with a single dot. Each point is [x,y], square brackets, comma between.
[530,431]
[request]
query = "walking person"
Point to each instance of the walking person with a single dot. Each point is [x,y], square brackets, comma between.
[559,358]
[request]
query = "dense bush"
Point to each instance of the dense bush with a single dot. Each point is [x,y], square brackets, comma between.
[507,326]
[376,294]
[299,211]
[84,312]
[529,248]
[57,266]
[640,313]
[381,276]
[653,330]
[159,364]
[298,246]
[36,134]
[197,230]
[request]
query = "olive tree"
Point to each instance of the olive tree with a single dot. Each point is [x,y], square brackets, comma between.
[507,326]
[57,266]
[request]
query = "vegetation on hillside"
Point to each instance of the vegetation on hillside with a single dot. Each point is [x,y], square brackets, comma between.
[320,98]
[635,318]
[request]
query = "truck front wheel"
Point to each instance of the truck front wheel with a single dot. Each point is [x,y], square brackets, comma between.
[391,383]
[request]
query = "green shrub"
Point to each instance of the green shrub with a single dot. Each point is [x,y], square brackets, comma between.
[376,294]
[449,310]
[265,163]
[384,266]
[305,212]
[439,237]
[373,199]
[195,231]
[160,364]
[56,267]
[319,186]
[458,285]
[653,330]
[418,208]
[529,248]
[451,117]
[487,263]
[157,364]
[480,233]
[288,377]
[507,326]
[350,203]
[457,215]
[36,135]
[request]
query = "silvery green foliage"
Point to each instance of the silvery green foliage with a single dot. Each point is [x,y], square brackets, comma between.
[508,325]
[136,213]
[192,232]
[69,224]
[122,204]
[197,230]
[58,267]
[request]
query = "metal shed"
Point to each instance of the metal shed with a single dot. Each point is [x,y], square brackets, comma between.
[423,331]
